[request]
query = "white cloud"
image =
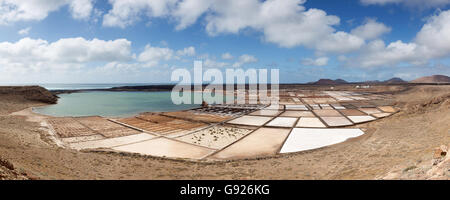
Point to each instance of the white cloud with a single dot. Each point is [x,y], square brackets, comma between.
[227,56]
[26,10]
[24,31]
[322,61]
[339,42]
[435,36]
[81,9]
[245,59]
[376,53]
[431,42]
[211,63]
[371,29]
[188,51]
[153,55]
[69,53]
[125,13]
[188,11]
[410,3]
[294,26]
[67,57]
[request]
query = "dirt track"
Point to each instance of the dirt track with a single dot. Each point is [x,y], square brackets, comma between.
[399,142]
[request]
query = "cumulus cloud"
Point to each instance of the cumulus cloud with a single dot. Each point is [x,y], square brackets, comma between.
[81,9]
[70,50]
[188,51]
[24,10]
[227,56]
[431,42]
[24,31]
[245,59]
[37,55]
[188,11]
[152,56]
[294,26]
[339,42]
[32,58]
[435,35]
[125,13]
[322,61]
[376,53]
[212,63]
[410,3]
[371,29]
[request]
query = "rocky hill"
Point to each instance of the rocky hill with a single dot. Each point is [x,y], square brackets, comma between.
[33,93]
[329,82]
[395,80]
[432,79]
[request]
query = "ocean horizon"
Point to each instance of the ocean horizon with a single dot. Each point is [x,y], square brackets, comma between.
[83,86]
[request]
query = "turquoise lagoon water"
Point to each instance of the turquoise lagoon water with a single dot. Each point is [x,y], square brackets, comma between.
[111,104]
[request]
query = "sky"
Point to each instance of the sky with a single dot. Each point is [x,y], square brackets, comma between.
[144,41]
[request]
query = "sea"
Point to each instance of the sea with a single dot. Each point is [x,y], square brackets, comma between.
[85,86]
[108,103]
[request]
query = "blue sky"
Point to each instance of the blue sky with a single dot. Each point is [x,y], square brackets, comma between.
[143,41]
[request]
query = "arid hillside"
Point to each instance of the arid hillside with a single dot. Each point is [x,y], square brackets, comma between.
[432,79]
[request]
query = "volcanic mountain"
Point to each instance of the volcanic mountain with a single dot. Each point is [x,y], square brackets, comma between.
[395,80]
[329,82]
[432,79]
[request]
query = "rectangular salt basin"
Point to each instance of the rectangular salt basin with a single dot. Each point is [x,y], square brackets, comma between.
[327,113]
[302,139]
[337,121]
[338,107]
[296,107]
[381,115]
[164,147]
[327,107]
[310,122]
[111,142]
[250,120]
[266,112]
[215,137]
[292,113]
[282,122]
[274,107]
[352,112]
[370,110]
[361,119]
[262,142]
[315,106]
[341,98]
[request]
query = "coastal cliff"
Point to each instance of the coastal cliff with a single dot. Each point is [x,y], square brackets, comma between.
[32,93]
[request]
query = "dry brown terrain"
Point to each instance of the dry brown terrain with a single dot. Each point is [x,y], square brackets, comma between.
[402,144]
[432,79]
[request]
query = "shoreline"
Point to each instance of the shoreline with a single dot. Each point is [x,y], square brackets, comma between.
[169,87]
